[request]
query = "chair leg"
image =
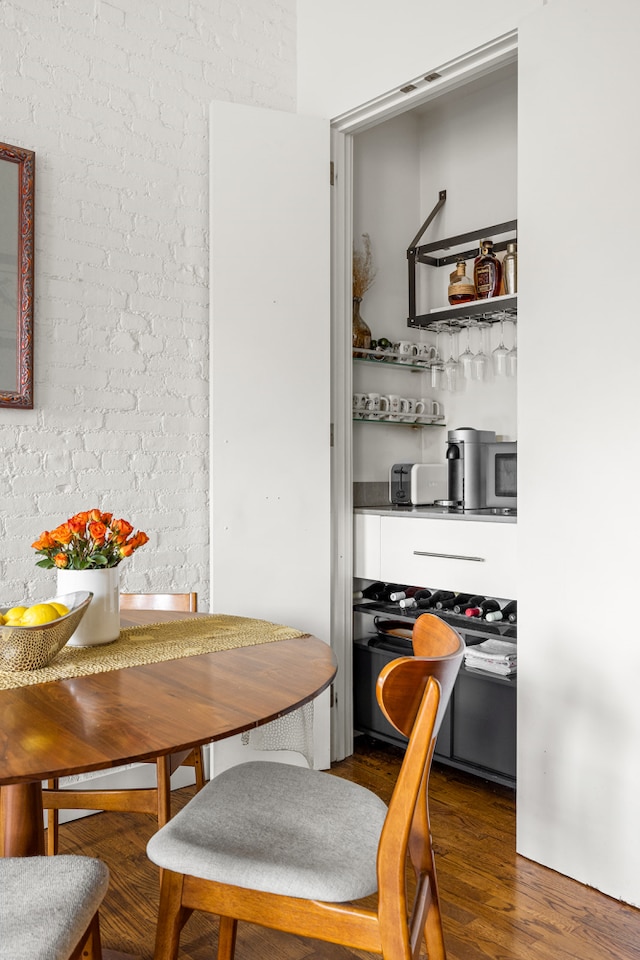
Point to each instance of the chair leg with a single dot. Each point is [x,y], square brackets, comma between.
[433,935]
[172,916]
[53,822]
[227,938]
[90,947]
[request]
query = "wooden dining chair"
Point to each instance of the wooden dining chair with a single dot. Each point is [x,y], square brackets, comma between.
[292,849]
[49,907]
[155,800]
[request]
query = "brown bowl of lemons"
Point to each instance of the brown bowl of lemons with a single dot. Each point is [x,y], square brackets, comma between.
[31,636]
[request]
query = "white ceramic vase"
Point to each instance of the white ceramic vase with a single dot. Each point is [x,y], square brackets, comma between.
[101,622]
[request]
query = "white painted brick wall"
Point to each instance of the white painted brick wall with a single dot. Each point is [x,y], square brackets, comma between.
[113,97]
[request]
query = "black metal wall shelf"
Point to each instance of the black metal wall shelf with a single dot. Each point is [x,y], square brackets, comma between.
[489,311]
[477,311]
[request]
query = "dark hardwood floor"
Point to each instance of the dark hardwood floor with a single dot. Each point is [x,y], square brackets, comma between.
[496,905]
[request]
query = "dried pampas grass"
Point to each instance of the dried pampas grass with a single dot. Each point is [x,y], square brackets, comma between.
[363,272]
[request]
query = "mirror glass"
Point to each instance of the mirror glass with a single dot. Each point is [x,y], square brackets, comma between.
[9,239]
[17,172]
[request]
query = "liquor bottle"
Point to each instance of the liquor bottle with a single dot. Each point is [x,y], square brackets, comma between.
[487,272]
[510,268]
[508,612]
[461,288]
[487,606]
[469,604]
[451,602]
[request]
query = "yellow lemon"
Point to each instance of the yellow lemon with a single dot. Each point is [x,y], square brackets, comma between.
[37,614]
[60,607]
[2,620]
[15,613]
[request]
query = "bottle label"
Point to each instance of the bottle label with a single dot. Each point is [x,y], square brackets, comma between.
[466,288]
[485,280]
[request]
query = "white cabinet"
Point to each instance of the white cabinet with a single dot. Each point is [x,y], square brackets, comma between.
[366,546]
[462,555]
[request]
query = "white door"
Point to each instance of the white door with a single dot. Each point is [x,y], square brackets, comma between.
[270,373]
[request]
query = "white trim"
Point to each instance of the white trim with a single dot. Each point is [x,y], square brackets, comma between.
[464,69]
[341,459]
[471,66]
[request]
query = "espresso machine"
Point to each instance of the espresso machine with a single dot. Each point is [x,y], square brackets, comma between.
[466,466]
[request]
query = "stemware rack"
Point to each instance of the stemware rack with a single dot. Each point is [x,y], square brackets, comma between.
[480,311]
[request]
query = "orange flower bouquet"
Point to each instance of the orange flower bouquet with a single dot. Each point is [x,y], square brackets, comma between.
[89,540]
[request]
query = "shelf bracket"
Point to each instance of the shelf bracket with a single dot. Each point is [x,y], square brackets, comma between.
[412,251]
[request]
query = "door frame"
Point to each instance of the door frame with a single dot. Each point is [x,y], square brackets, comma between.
[455,73]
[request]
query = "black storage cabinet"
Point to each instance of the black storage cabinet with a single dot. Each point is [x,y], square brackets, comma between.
[478,732]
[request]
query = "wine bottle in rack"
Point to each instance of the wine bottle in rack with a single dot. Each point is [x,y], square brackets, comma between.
[408,603]
[391,589]
[450,603]
[404,593]
[471,604]
[487,606]
[508,612]
[371,592]
[422,594]
[437,597]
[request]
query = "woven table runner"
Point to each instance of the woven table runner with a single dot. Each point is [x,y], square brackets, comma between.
[154,643]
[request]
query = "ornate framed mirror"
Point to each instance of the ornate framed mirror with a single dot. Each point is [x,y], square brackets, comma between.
[17,188]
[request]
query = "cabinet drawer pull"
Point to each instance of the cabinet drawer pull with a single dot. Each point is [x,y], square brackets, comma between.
[447,556]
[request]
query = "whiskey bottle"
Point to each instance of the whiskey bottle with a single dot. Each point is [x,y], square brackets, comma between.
[461,288]
[487,272]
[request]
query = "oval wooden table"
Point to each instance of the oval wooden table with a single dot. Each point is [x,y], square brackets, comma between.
[95,722]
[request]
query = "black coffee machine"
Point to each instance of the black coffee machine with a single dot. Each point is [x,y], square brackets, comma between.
[466,466]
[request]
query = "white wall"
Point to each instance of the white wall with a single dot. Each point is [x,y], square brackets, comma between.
[399,168]
[352,50]
[113,97]
[579,527]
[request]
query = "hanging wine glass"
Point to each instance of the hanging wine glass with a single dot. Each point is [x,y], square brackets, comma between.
[512,356]
[451,367]
[465,359]
[499,355]
[437,365]
[481,359]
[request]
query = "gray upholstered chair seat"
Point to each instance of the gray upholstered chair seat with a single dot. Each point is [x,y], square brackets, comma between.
[47,903]
[277,828]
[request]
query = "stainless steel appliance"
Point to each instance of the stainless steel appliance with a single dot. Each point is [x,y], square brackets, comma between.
[417,483]
[481,471]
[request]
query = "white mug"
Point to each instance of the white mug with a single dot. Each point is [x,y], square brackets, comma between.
[394,407]
[427,353]
[406,351]
[410,416]
[359,403]
[376,406]
[427,408]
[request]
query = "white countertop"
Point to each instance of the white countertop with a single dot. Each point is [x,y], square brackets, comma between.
[433,512]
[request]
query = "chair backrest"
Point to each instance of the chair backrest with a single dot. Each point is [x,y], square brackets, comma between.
[185,602]
[440,649]
[413,693]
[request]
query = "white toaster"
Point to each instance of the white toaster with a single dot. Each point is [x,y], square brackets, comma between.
[417,483]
